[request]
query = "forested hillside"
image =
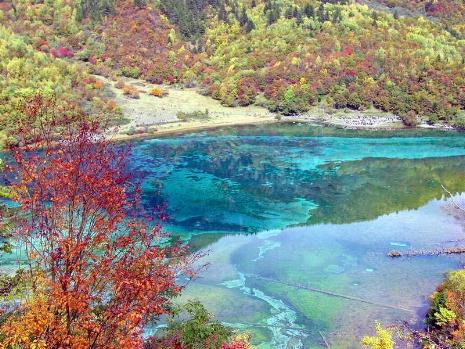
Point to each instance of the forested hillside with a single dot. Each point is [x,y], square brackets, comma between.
[286,55]
[86,262]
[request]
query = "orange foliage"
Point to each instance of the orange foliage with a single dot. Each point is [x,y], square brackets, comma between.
[158,92]
[98,84]
[131,91]
[28,328]
[105,270]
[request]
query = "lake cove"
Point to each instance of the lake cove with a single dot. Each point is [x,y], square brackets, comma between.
[298,221]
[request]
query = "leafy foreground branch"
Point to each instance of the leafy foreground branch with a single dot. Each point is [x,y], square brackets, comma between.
[97,269]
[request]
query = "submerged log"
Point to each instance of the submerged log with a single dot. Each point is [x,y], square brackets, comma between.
[333,294]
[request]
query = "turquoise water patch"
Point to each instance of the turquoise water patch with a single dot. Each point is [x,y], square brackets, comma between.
[236,181]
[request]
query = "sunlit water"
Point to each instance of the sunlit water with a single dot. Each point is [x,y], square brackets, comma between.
[298,221]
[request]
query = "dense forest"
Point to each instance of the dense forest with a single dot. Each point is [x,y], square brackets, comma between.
[285,55]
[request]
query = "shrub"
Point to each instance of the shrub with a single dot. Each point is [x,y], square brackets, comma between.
[195,115]
[382,340]
[120,84]
[410,119]
[131,91]
[446,317]
[62,52]
[130,72]
[98,84]
[198,330]
[158,92]
[247,90]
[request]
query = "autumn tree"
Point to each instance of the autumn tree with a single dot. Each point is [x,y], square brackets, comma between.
[99,268]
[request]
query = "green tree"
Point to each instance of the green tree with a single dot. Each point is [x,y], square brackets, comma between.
[199,331]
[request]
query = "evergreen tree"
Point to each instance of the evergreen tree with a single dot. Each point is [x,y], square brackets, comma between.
[295,12]
[337,16]
[298,18]
[267,6]
[374,16]
[309,11]
[249,26]
[222,14]
[140,3]
[321,14]
[244,18]
[289,13]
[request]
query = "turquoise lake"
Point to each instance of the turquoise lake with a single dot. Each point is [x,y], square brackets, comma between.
[297,221]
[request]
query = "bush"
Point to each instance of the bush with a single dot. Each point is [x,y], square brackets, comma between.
[158,92]
[130,72]
[296,99]
[98,84]
[62,52]
[410,119]
[446,317]
[195,115]
[382,340]
[131,91]
[198,331]
[120,84]
[247,90]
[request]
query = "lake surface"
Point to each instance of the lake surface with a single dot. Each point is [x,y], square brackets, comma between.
[298,220]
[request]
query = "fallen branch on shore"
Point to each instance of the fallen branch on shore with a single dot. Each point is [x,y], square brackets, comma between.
[438,252]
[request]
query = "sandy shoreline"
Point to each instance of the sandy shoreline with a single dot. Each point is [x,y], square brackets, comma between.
[188,128]
[151,117]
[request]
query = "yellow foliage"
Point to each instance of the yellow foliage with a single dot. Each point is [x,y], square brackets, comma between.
[382,340]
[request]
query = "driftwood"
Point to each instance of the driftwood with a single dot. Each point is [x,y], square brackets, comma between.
[438,252]
[461,208]
[333,294]
[434,252]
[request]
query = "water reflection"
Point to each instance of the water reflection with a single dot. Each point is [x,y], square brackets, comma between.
[248,182]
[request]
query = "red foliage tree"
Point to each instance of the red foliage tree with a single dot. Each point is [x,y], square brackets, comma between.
[62,52]
[107,270]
